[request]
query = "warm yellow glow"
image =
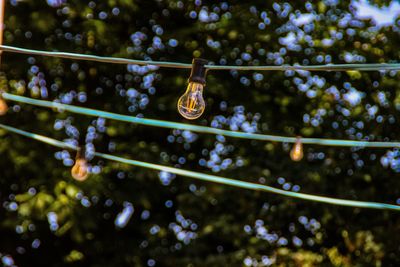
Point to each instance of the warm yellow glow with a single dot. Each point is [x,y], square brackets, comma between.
[296,154]
[191,105]
[80,170]
[3,107]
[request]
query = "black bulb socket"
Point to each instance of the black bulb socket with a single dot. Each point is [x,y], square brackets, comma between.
[199,71]
[80,153]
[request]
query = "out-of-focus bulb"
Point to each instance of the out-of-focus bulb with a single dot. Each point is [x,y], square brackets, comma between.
[3,107]
[296,154]
[191,104]
[80,170]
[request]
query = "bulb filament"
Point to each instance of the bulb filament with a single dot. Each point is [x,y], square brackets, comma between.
[191,104]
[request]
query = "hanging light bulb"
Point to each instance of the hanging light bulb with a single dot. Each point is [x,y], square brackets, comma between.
[191,104]
[296,154]
[80,170]
[3,106]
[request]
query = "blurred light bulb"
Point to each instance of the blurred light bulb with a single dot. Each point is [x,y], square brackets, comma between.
[191,104]
[296,154]
[3,107]
[80,170]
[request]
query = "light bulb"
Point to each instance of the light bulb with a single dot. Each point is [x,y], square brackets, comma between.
[80,170]
[296,154]
[191,104]
[3,107]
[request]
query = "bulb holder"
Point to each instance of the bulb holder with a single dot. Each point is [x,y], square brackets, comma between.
[80,153]
[199,71]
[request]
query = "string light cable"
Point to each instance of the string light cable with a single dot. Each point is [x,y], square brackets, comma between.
[210,178]
[195,128]
[177,65]
[191,104]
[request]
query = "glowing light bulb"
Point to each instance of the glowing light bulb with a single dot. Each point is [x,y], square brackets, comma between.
[296,154]
[80,170]
[191,104]
[3,107]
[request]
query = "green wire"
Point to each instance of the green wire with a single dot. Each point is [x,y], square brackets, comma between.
[196,128]
[211,178]
[328,67]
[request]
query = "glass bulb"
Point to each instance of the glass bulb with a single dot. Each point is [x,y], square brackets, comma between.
[3,107]
[191,105]
[296,154]
[80,170]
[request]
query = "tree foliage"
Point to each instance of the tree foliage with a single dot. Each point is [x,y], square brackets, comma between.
[49,219]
